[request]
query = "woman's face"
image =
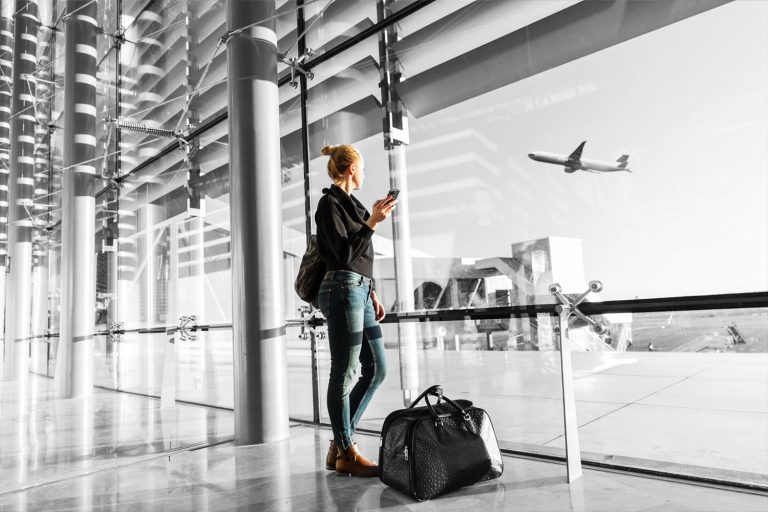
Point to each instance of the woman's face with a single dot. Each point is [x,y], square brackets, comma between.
[359,175]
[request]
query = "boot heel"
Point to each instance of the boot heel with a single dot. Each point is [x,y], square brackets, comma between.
[330,459]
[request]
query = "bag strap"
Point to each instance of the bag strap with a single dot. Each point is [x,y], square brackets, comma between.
[436,390]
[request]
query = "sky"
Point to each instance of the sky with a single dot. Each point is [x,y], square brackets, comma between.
[688,103]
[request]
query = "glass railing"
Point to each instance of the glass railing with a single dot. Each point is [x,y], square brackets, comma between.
[671,386]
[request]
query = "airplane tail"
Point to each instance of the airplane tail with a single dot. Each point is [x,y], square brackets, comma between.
[623,161]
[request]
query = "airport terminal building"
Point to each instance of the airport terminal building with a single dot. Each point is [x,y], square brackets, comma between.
[580,247]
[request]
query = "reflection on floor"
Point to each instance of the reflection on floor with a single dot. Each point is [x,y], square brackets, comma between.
[43,439]
[290,475]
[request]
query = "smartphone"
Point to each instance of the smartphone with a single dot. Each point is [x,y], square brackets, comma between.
[392,195]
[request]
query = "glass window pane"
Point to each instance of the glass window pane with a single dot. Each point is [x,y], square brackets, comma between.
[667,384]
[476,195]
[329,23]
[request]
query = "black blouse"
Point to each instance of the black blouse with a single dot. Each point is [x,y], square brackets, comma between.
[343,237]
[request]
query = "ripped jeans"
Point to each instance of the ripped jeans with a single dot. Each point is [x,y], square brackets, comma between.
[354,335]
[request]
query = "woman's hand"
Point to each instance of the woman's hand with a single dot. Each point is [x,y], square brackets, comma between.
[378,307]
[381,211]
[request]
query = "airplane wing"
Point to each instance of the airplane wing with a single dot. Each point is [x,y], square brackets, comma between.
[576,155]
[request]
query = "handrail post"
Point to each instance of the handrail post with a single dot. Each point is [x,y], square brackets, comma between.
[571,424]
[168,389]
[565,309]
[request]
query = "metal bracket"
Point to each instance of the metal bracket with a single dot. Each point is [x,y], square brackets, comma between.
[229,35]
[572,307]
[308,322]
[114,184]
[296,65]
[185,324]
[116,332]
[118,38]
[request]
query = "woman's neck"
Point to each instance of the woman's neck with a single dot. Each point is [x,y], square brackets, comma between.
[346,186]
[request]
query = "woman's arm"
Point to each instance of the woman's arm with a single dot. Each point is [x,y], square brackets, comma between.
[378,307]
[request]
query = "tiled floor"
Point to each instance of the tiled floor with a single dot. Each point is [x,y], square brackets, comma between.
[289,476]
[43,439]
[120,451]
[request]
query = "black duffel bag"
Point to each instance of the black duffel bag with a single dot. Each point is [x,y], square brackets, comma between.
[430,450]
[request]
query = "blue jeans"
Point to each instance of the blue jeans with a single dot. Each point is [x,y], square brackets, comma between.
[354,335]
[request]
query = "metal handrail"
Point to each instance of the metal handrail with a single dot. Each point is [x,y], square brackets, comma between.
[686,303]
[654,305]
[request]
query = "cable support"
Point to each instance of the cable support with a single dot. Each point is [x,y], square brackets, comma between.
[65,17]
[63,169]
[306,30]
[118,36]
[33,106]
[55,24]
[48,195]
[180,97]
[138,15]
[51,128]
[33,94]
[211,140]
[222,40]
[294,63]
[34,222]
[31,76]
[21,9]
[106,148]
[50,63]
[156,32]
[3,73]
[142,128]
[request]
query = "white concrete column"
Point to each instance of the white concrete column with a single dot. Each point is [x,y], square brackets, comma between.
[260,364]
[74,361]
[21,191]
[396,139]
[6,82]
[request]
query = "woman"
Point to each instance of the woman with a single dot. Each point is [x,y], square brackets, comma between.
[349,303]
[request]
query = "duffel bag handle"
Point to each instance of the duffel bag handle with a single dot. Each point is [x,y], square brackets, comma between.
[439,417]
[436,390]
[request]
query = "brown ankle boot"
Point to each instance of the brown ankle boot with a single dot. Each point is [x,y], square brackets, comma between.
[351,462]
[333,454]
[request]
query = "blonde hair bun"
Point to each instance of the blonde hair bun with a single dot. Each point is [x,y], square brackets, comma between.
[328,150]
[341,157]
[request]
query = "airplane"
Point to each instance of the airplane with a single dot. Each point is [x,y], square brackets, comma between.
[574,162]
